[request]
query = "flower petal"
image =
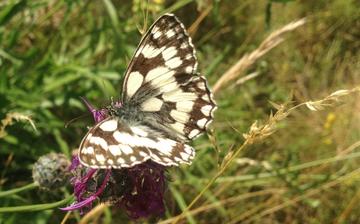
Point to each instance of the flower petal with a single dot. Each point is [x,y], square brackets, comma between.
[80,204]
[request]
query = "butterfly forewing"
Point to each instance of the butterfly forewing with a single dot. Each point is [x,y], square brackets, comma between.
[114,144]
[166,49]
[162,81]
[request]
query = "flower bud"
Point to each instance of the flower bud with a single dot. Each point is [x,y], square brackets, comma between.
[51,171]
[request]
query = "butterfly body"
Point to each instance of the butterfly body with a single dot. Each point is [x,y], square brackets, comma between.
[131,114]
[165,104]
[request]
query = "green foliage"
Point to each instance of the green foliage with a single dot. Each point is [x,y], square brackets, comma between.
[54,52]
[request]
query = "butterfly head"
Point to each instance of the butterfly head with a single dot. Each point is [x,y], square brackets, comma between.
[113,108]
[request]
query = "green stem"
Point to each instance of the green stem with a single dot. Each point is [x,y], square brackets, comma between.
[212,180]
[294,168]
[263,175]
[38,207]
[17,190]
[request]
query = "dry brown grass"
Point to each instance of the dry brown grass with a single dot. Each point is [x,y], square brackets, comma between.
[273,40]
[259,132]
[9,120]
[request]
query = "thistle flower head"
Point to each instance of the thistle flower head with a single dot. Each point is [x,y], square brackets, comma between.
[139,189]
[51,171]
[145,189]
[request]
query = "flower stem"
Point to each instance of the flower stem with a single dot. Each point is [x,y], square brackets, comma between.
[19,189]
[37,207]
[211,182]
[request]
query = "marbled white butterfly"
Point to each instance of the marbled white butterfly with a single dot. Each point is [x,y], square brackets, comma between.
[165,104]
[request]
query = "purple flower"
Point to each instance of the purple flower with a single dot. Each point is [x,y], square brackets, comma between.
[98,115]
[139,189]
[145,196]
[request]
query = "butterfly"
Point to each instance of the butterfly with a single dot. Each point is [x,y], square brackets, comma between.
[165,104]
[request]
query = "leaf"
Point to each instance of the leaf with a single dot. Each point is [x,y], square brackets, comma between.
[10,11]
[61,82]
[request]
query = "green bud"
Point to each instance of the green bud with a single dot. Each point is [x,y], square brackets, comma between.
[51,171]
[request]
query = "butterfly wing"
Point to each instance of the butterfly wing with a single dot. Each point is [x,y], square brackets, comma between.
[165,48]
[162,82]
[112,143]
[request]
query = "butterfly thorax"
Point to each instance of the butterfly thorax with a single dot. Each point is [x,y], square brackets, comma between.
[128,113]
[133,115]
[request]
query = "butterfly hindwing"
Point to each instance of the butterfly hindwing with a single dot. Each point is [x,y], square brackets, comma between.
[186,110]
[114,144]
[162,81]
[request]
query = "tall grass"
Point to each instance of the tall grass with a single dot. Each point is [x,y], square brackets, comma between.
[284,146]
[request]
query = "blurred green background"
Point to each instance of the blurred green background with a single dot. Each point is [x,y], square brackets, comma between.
[53,52]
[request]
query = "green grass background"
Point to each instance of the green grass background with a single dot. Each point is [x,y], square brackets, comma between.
[53,52]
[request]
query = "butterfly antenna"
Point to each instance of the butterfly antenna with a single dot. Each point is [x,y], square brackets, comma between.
[112,100]
[74,119]
[104,88]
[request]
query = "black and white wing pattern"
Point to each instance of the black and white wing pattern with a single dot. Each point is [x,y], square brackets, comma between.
[112,143]
[165,104]
[162,81]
